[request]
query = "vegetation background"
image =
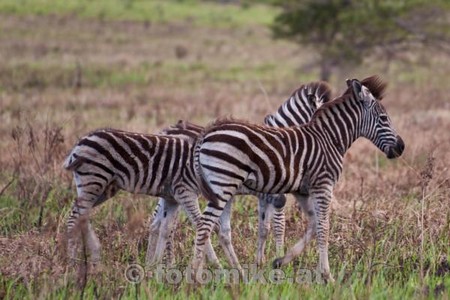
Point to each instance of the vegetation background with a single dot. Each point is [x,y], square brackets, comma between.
[68,67]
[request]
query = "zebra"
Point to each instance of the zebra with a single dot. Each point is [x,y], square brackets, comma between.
[296,110]
[307,161]
[108,160]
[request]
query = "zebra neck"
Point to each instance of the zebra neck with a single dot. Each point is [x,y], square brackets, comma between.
[339,125]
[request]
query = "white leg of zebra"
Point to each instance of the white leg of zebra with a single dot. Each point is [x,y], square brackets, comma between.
[93,244]
[265,211]
[154,231]
[225,237]
[167,224]
[270,211]
[78,226]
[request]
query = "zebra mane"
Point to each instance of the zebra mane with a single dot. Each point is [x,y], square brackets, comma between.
[375,84]
[182,125]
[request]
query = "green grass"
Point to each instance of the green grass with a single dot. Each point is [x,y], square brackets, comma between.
[200,13]
[385,266]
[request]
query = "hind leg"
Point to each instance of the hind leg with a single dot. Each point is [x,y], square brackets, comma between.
[78,227]
[154,231]
[225,235]
[91,192]
[169,215]
[189,200]
[209,220]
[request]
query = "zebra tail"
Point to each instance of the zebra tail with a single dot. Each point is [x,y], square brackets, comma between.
[204,187]
[73,161]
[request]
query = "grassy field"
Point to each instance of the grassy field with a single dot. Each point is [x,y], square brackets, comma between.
[140,66]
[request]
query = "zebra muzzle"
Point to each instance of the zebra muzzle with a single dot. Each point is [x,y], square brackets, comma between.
[396,150]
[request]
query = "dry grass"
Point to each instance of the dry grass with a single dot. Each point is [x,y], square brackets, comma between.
[67,76]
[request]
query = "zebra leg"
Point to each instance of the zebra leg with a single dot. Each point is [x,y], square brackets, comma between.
[279,223]
[308,208]
[208,221]
[322,212]
[265,211]
[93,244]
[78,227]
[169,214]
[154,231]
[225,237]
[189,200]
[169,257]
[278,220]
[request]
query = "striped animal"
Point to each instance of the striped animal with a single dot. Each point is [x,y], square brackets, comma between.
[232,156]
[296,110]
[107,160]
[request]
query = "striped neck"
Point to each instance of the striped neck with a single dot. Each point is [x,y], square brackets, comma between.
[340,122]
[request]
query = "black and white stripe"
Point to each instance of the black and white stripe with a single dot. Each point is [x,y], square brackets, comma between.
[109,160]
[296,110]
[232,156]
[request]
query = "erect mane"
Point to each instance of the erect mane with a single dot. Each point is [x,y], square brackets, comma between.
[376,86]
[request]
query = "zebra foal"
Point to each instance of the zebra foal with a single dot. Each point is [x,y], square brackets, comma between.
[296,110]
[307,161]
[108,160]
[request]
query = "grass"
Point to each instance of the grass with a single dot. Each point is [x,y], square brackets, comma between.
[198,12]
[67,69]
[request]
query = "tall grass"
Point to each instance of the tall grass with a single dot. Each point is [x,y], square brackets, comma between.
[62,76]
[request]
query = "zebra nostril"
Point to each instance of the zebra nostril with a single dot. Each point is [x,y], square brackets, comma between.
[400,144]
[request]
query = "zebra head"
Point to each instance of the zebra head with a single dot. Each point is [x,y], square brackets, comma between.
[376,124]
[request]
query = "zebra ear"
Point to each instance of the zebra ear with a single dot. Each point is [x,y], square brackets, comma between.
[348,82]
[357,88]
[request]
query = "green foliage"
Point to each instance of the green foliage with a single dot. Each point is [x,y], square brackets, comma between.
[344,31]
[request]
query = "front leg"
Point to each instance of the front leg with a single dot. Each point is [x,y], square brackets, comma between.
[322,208]
[265,212]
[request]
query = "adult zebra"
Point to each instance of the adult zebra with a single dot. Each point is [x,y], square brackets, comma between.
[305,160]
[108,160]
[296,110]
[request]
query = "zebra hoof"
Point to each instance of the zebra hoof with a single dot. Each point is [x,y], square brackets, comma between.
[277,263]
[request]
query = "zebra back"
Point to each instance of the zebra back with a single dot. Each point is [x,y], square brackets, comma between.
[183,129]
[138,163]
